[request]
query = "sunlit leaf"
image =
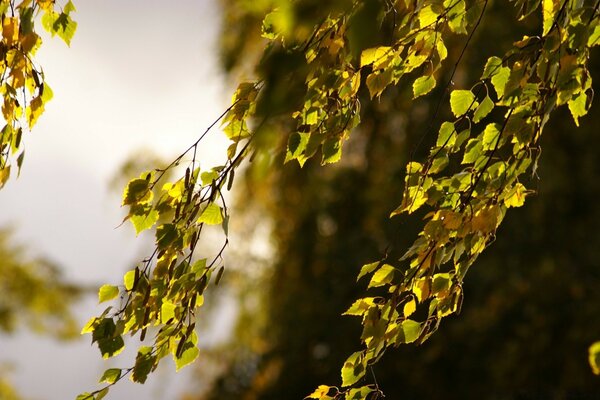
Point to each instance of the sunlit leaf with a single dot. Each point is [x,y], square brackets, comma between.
[111,375]
[360,306]
[410,331]
[384,275]
[354,368]
[462,101]
[167,311]
[107,292]
[484,108]
[212,215]
[144,221]
[319,393]
[594,357]
[423,85]
[189,355]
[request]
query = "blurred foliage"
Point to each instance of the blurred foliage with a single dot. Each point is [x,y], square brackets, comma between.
[530,310]
[34,294]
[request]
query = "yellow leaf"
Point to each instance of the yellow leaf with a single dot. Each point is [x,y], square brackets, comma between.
[594,357]
[409,308]
[516,196]
[46,5]
[321,391]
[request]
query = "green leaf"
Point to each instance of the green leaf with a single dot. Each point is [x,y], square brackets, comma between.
[461,101]
[383,276]
[165,235]
[473,150]
[144,221]
[167,311]
[354,368]
[410,331]
[367,269]
[102,393]
[497,73]
[107,292]
[594,38]
[111,375]
[577,106]
[594,357]
[208,177]
[85,396]
[378,81]
[332,150]
[447,135]
[137,191]
[456,16]
[486,106]
[423,85]
[296,145]
[491,136]
[359,393]
[109,342]
[211,215]
[144,362]
[60,24]
[189,355]
[360,306]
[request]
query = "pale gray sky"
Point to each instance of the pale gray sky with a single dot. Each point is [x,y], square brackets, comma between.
[139,73]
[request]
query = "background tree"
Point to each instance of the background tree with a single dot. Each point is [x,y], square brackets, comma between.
[528,316]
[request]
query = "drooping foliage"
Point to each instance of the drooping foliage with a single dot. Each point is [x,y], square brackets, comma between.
[22,82]
[462,186]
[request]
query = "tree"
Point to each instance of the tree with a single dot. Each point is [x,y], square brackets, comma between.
[324,70]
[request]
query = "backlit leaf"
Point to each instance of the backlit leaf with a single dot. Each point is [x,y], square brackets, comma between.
[516,196]
[378,81]
[473,150]
[319,393]
[484,108]
[212,215]
[461,101]
[383,276]
[144,221]
[129,279]
[367,269]
[423,85]
[111,375]
[491,136]
[354,368]
[375,56]
[447,135]
[594,357]
[137,191]
[167,311]
[107,292]
[410,330]
[188,356]
[360,306]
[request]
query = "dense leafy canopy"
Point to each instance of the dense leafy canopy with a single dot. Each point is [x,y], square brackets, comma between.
[471,177]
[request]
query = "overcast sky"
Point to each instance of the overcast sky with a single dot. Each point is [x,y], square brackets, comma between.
[138,75]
